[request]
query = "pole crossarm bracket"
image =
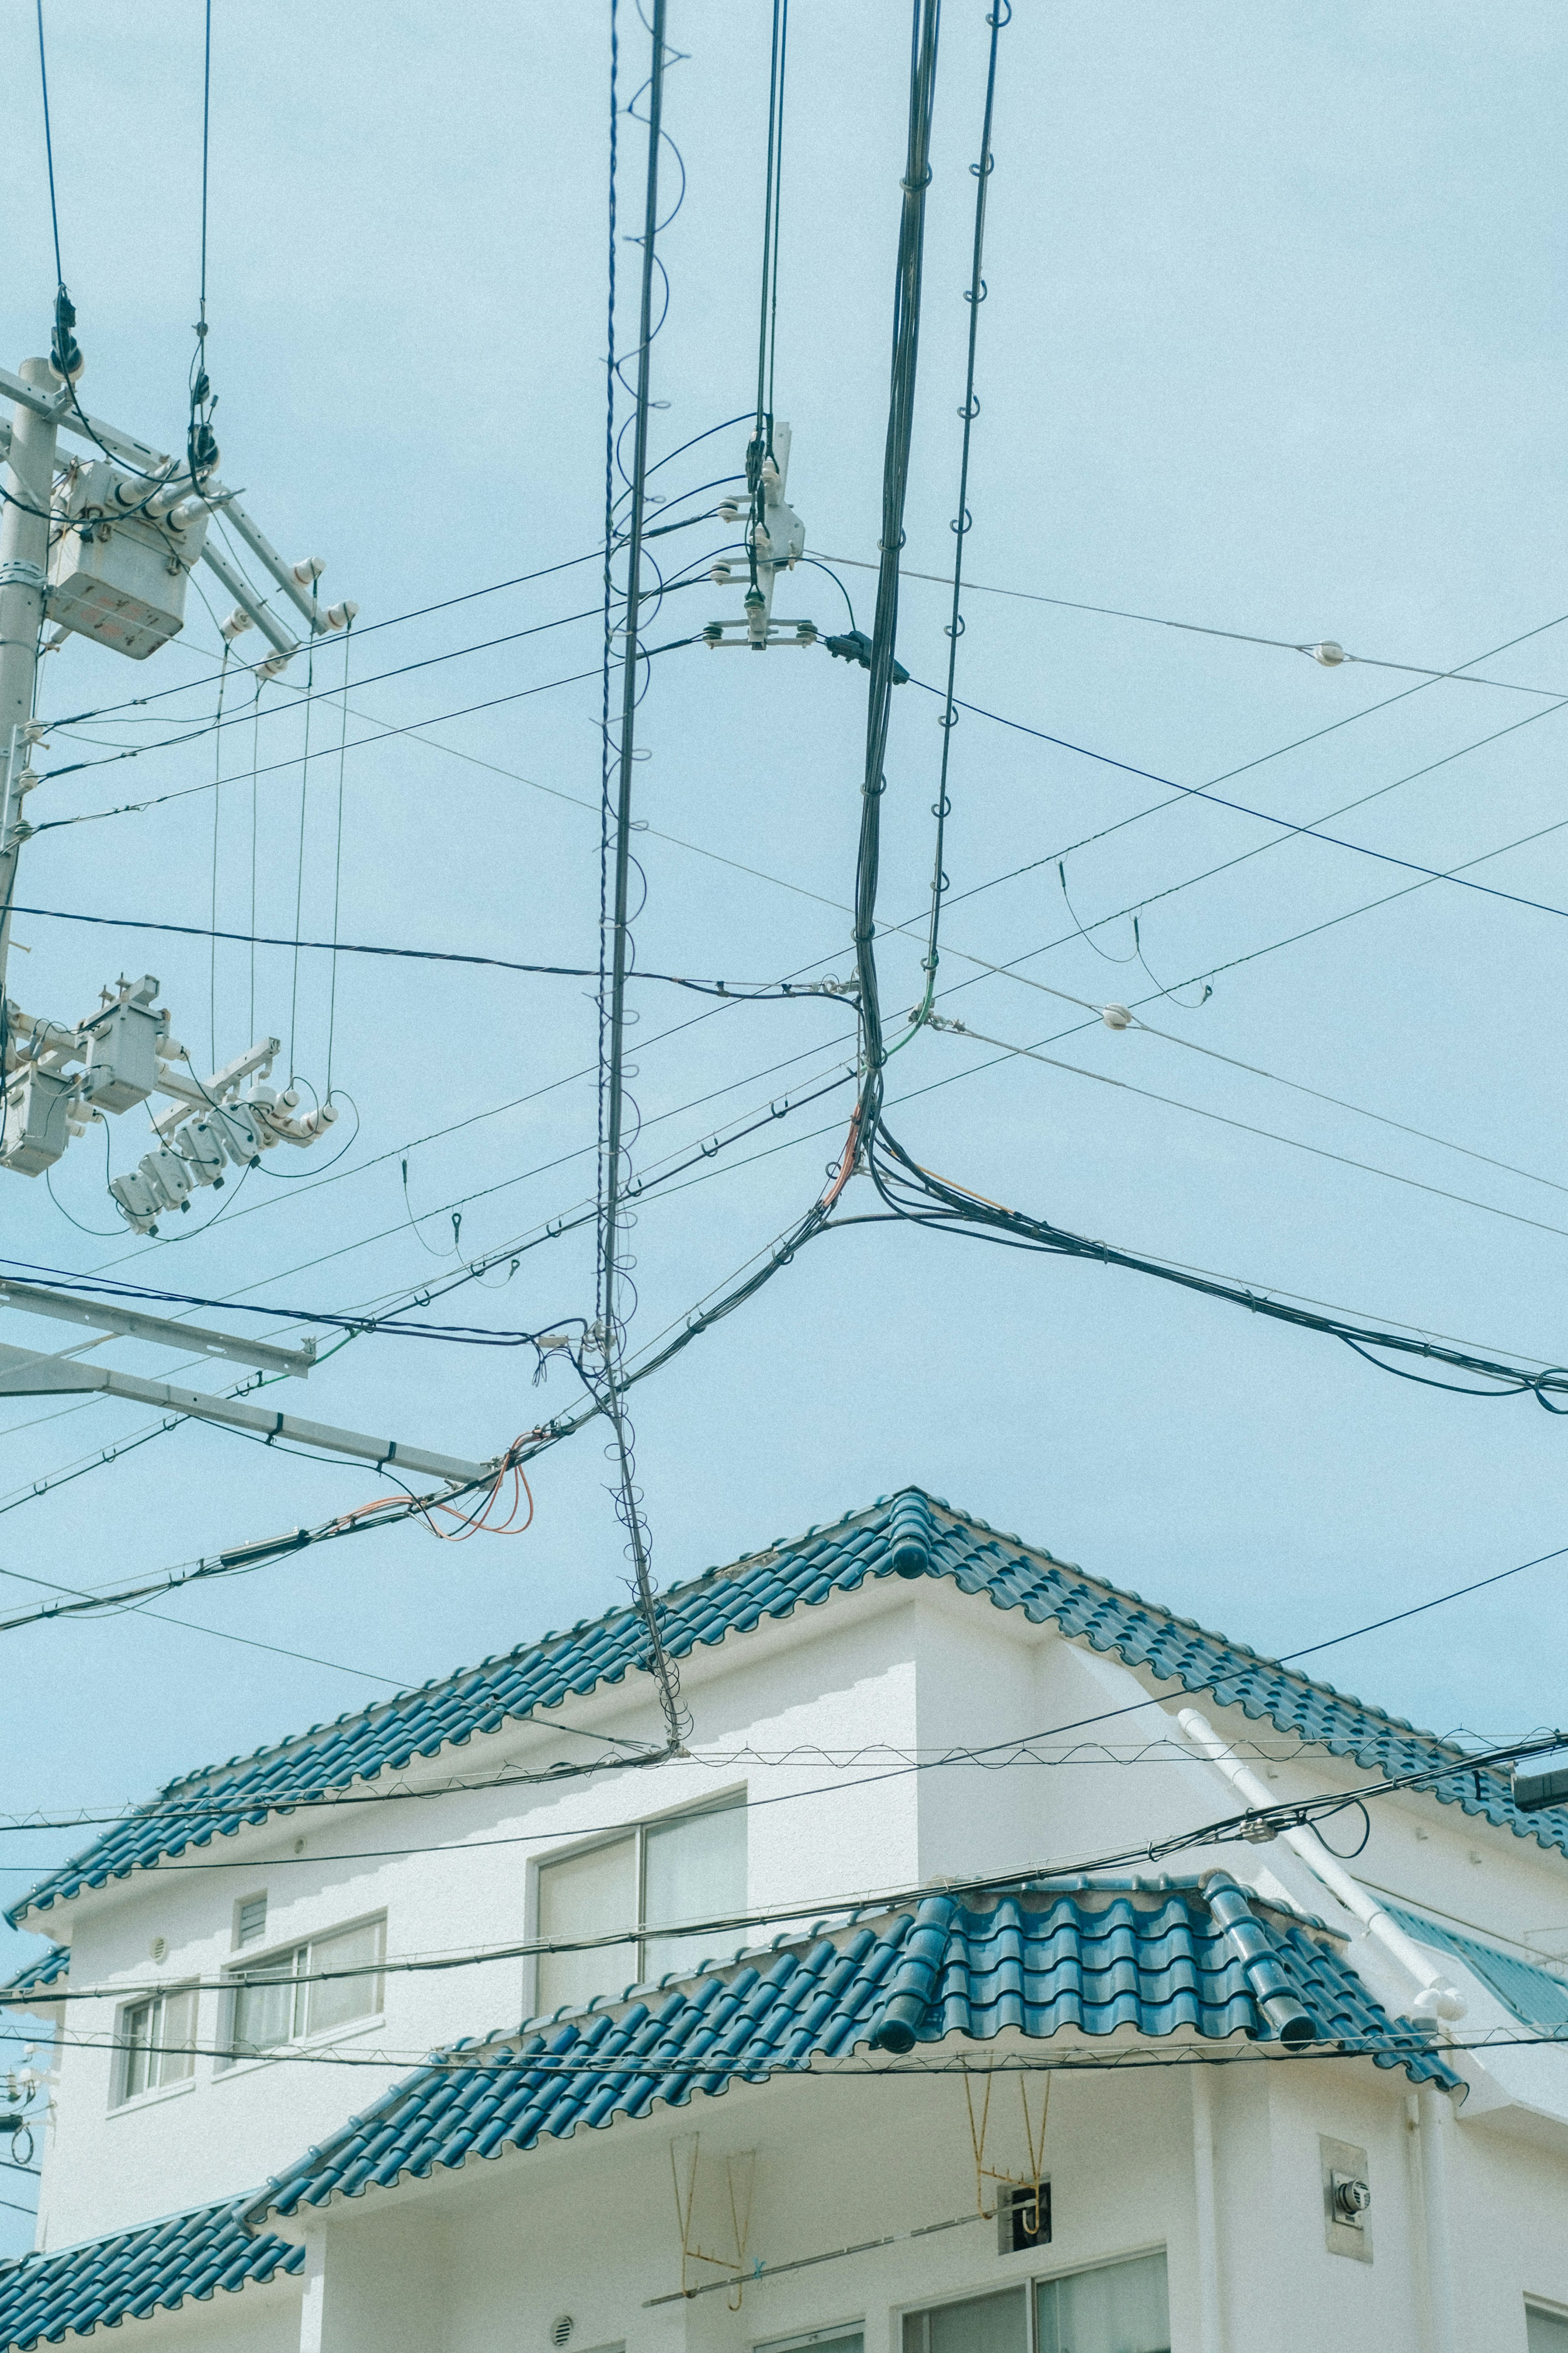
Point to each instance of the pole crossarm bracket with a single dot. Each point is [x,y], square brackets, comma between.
[105,1316]
[24,1373]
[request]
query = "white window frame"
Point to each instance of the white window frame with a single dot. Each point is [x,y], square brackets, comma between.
[301,1950]
[725,1802]
[156,2001]
[829,2335]
[1024,2271]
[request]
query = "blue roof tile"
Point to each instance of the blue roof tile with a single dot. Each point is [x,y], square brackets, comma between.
[1152,1960]
[909,1535]
[1532,1993]
[44,1969]
[153,2268]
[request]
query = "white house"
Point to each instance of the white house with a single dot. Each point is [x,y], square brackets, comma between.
[947,2031]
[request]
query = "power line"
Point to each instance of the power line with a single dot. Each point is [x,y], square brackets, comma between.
[1223,1830]
[1286,825]
[747,991]
[1199,629]
[962,524]
[1246,1127]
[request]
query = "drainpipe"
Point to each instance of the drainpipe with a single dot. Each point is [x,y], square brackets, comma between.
[1436,2123]
[1437,1998]
[1209,2339]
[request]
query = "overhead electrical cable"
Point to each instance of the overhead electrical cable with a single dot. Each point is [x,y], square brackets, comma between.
[961,523]
[1286,1814]
[1286,825]
[1328,655]
[615,890]
[1196,1111]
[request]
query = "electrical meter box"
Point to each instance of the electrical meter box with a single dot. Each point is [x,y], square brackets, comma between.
[116,575]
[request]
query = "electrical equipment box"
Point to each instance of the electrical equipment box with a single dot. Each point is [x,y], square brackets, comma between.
[37,1107]
[121,1046]
[120,552]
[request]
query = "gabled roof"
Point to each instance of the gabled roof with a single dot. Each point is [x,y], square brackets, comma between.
[1150,1960]
[153,2268]
[909,1535]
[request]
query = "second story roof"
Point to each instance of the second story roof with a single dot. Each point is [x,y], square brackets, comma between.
[909,1535]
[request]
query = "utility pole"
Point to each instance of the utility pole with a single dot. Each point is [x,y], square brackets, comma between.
[24,577]
[103,547]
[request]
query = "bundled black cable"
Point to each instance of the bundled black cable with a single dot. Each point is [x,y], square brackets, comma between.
[918,1195]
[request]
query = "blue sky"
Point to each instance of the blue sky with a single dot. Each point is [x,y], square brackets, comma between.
[1272,345]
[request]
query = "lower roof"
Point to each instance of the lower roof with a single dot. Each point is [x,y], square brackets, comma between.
[1196,1958]
[136,2273]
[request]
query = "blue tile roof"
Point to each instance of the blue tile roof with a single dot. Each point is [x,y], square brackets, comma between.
[910,1535]
[1152,1960]
[153,2268]
[44,1969]
[1532,1994]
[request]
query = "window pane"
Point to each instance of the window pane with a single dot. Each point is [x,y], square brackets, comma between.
[264,2008]
[693,1869]
[138,2031]
[1544,2332]
[176,2031]
[1121,2308]
[588,1895]
[982,2324]
[333,2001]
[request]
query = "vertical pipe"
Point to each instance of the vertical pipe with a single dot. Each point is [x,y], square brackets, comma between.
[24,568]
[1436,2126]
[1210,2338]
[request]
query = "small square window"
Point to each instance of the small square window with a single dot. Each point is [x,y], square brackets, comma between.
[250,1920]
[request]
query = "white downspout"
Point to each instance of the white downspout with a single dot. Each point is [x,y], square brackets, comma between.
[1437,2121]
[1209,2337]
[1437,1998]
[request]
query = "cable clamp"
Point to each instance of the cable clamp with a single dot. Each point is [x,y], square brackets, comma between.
[17,572]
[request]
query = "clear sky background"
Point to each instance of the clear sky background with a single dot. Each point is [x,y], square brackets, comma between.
[1273,344]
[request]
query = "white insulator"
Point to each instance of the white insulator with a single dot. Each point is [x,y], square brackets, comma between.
[236,626]
[309,571]
[340,616]
[1330,654]
[274,667]
[1116,1016]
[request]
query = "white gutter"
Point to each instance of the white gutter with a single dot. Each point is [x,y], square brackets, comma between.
[1437,1998]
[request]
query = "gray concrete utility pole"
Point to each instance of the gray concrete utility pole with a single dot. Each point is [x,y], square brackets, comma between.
[23,572]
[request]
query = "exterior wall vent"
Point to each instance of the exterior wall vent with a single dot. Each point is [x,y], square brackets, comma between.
[561,2331]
